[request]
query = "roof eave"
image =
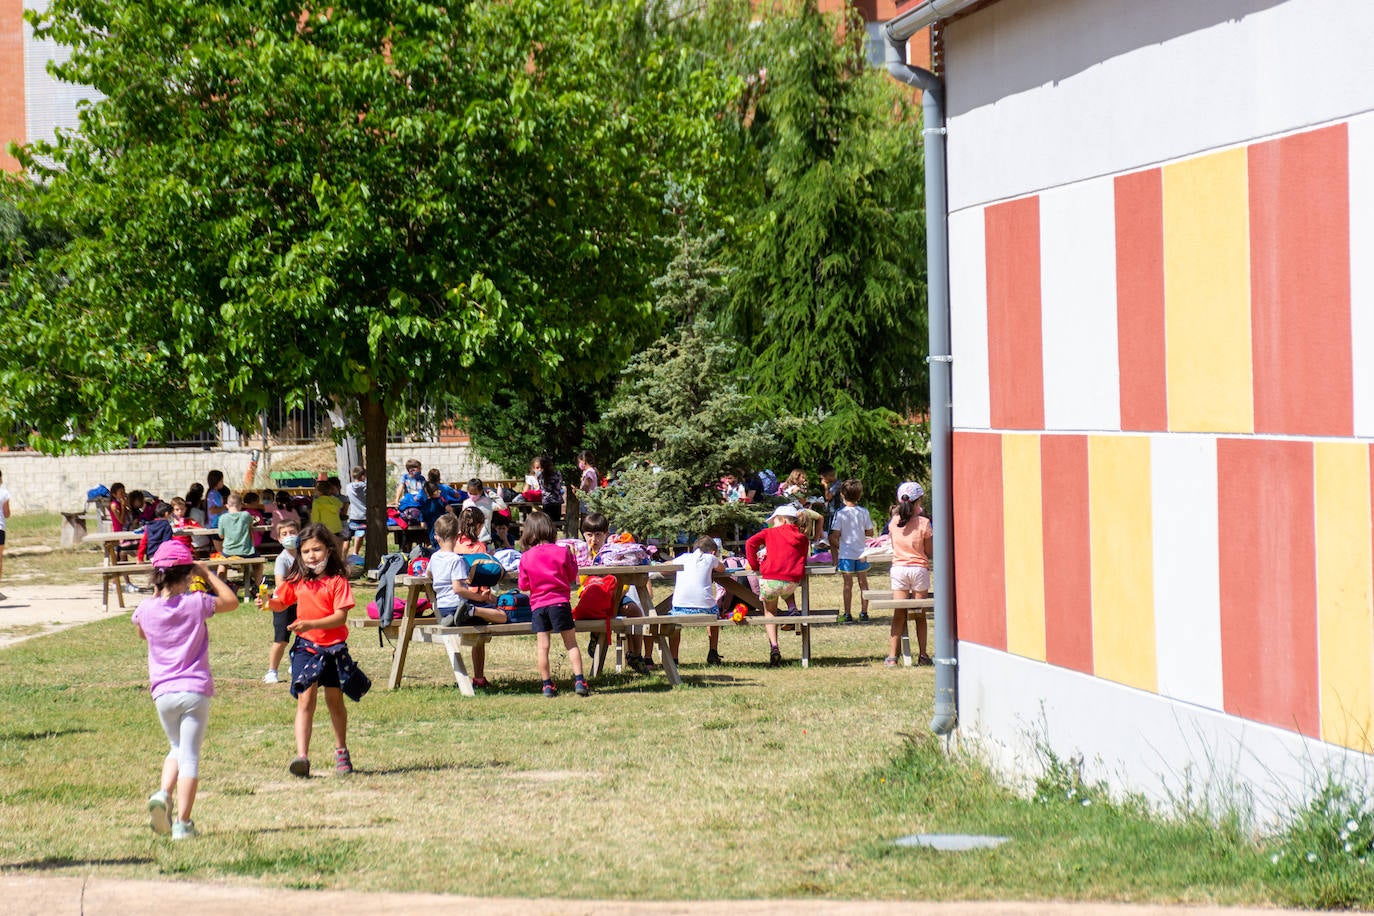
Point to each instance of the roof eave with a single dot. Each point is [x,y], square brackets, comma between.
[927,12]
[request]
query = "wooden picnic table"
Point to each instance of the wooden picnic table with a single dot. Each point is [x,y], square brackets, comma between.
[110,572]
[109,542]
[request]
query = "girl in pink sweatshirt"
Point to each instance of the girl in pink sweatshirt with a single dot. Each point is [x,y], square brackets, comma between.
[548,572]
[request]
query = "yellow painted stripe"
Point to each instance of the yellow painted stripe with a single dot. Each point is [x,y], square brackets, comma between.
[1207,294]
[1119,516]
[1345,597]
[1025,549]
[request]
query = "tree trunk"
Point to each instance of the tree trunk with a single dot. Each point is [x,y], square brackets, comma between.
[375,422]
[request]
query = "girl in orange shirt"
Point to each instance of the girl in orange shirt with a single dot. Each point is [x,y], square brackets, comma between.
[318,586]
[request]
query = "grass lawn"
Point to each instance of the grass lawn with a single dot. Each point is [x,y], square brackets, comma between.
[746,782]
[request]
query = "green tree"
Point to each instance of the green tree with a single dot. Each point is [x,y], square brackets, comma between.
[830,295]
[350,202]
[684,399]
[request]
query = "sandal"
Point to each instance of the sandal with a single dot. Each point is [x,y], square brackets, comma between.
[890,662]
[924,660]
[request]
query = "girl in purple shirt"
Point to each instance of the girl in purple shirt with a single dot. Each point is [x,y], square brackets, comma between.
[173,624]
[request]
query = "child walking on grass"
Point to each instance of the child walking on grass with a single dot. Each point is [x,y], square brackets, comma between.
[785,547]
[319,588]
[548,572]
[911,545]
[282,620]
[695,593]
[852,526]
[173,622]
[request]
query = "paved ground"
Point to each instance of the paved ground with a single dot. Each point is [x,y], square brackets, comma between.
[98,896]
[29,611]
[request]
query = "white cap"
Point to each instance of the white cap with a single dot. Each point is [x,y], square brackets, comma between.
[910,491]
[786,510]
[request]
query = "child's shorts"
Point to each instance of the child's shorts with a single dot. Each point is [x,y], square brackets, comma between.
[357,527]
[552,618]
[683,611]
[309,668]
[776,588]
[280,621]
[852,566]
[909,578]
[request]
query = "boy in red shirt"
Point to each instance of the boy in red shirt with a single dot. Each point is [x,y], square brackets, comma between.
[785,548]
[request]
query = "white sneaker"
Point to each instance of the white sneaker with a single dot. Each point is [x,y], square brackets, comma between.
[159,817]
[130,588]
[271,677]
[184,830]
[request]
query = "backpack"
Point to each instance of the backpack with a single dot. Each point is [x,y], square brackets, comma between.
[484,571]
[597,601]
[622,554]
[516,605]
[768,483]
[581,553]
[419,566]
[409,501]
[99,491]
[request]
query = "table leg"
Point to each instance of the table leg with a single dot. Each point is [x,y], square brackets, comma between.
[806,593]
[669,666]
[105,592]
[119,594]
[806,644]
[740,592]
[906,636]
[453,645]
[407,627]
[619,652]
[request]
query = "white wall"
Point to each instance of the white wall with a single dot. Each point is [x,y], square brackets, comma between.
[45,482]
[1134,741]
[1041,94]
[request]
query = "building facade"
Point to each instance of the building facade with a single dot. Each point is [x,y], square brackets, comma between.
[1162,319]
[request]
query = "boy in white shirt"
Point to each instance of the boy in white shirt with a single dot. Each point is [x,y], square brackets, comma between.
[695,593]
[849,531]
[455,597]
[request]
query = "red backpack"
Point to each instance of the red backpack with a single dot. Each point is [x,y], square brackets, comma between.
[597,601]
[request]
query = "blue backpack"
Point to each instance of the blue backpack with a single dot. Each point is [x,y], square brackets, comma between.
[516,605]
[769,483]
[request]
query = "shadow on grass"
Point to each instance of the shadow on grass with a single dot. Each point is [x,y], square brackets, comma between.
[53,863]
[43,735]
[430,768]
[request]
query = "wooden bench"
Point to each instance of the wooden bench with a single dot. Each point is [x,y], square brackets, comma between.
[656,626]
[120,570]
[878,599]
[801,623]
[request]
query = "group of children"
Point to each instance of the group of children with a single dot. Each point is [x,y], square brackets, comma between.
[312,599]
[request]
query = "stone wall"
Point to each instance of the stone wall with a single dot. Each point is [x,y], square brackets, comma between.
[59,483]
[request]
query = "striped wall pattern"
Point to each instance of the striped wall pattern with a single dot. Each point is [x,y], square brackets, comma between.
[1170,373]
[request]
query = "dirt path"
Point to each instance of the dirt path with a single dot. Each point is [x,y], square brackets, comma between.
[27,611]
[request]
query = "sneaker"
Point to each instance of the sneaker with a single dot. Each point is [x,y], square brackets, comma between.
[184,830]
[342,764]
[846,617]
[890,662]
[924,660]
[158,817]
[863,616]
[550,690]
[775,658]
[130,588]
[638,664]
[713,657]
[271,677]
[580,687]
[300,767]
[480,683]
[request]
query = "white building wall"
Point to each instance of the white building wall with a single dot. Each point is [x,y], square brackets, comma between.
[1041,94]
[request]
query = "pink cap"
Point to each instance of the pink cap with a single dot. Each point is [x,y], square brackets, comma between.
[173,553]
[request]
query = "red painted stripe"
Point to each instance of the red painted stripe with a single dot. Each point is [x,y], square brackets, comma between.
[1268,578]
[1015,358]
[1068,552]
[1140,301]
[979,568]
[1300,284]
[12,126]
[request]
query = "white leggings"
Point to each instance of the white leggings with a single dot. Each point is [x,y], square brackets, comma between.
[184,716]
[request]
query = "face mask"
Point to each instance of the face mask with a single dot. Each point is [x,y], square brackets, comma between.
[318,568]
[291,542]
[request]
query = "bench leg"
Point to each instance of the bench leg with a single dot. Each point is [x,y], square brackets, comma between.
[598,659]
[806,644]
[669,667]
[453,645]
[105,593]
[619,653]
[906,636]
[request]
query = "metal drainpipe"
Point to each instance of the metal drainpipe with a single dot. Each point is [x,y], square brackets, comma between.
[937,286]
